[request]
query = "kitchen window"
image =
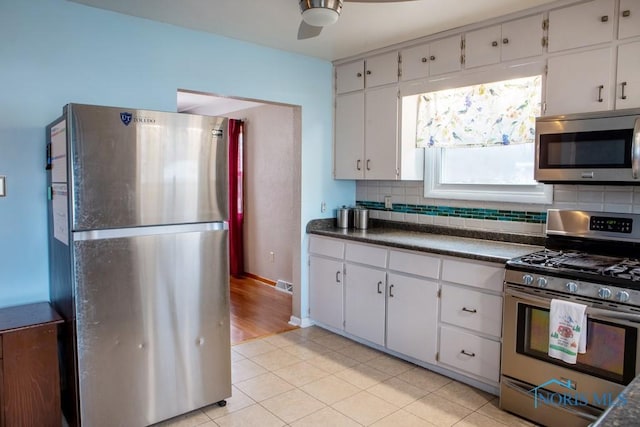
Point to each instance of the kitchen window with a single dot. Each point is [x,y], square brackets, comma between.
[479,140]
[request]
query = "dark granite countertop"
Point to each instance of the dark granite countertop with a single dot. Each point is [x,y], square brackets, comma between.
[478,245]
[625,409]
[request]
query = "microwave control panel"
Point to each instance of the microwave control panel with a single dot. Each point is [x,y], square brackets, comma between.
[611,224]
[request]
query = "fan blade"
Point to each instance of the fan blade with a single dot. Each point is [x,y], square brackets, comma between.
[306,31]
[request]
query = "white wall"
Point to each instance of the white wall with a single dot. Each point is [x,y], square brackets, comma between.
[270,136]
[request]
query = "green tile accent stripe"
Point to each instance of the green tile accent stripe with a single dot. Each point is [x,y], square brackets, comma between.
[475,213]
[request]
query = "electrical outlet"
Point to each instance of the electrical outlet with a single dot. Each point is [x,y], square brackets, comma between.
[387,202]
[272,256]
[323,207]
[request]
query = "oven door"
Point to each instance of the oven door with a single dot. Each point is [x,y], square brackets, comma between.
[599,375]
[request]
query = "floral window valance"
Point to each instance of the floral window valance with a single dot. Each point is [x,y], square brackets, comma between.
[500,113]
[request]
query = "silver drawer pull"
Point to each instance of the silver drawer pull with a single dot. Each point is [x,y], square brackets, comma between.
[469,310]
[379,284]
[467,354]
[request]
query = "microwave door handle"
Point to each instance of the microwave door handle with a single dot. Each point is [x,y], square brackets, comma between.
[635,150]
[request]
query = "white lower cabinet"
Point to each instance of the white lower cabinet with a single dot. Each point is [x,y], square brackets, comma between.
[325,291]
[470,353]
[412,316]
[365,302]
[443,311]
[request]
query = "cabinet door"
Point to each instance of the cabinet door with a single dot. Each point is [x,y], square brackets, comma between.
[412,316]
[365,302]
[350,77]
[349,139]
[381,69]
[381,133]
[414,62]
[522,38]
[482,47]
[628,81]
[629,19]
[569,91]
[444,55]
[325,291]
[581,25]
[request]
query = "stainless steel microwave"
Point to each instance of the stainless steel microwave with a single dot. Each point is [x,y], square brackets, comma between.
[589,148]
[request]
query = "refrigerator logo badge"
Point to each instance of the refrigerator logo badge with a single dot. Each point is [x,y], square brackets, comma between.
[217,133]
[126,118]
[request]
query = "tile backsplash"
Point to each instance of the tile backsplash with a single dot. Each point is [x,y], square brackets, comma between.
[410,205]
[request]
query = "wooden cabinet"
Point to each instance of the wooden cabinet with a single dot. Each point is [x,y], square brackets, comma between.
[569,91]
[366,134]
[326,281]
[29,376]
[471,318]
[431,59]
[371,72]
[628,76]
[517,39]
[629,24]
[580,25]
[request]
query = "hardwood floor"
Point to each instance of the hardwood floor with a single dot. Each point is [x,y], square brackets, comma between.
[257,310]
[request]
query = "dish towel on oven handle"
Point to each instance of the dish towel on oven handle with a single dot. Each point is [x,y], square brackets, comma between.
[567,330]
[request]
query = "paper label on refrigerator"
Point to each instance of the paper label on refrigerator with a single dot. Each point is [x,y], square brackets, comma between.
[60,213]
[59,152]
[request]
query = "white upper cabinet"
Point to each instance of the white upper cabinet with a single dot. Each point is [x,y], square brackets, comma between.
[580,25]
[517,39]
[350,77]
[374,71]
[580,82]
[629,19]
[429,59]
[628,78]
[349,136]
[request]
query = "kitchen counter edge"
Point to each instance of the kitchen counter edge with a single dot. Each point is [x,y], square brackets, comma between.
[473,244]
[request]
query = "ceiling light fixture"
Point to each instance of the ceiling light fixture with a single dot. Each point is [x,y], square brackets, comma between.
[320,13]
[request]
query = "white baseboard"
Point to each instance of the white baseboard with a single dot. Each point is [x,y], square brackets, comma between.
[303,323]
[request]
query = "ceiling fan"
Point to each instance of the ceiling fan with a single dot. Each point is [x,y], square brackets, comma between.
[320,13]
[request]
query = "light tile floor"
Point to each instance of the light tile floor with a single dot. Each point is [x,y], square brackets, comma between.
[311,377]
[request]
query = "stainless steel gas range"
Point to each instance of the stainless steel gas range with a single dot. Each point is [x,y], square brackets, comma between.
[591,258]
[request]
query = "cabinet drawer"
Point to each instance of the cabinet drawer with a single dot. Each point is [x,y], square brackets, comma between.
[470,353]
[369,255]
[327,247]
[473,274]
[418,264]
[472,310]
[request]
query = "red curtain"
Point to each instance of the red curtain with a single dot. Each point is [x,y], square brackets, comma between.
[236,249]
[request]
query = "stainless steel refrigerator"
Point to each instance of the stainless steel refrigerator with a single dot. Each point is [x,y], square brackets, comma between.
[139,262]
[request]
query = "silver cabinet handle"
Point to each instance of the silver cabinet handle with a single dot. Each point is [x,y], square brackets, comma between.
[423,59]
[626,13]
[469,310]
[604,18]
[368,164]
[432,57]
[467,353]
[622,95]
[338,276]
[391,291]
[368,72]
[379,284]
[358,164]
[505,41]
[600,93]
[359,75]
[635,150]
[494,43]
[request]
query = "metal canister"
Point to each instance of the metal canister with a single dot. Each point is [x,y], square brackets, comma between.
[344,217]
[361,218]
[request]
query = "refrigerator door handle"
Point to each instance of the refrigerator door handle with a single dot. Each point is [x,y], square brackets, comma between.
[116,233]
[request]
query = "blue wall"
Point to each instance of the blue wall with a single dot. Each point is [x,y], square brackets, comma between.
[53,52]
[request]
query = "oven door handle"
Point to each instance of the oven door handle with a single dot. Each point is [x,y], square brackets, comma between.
[591,311]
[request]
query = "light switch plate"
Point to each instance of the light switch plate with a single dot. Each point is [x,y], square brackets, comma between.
[387,202]
[3,188]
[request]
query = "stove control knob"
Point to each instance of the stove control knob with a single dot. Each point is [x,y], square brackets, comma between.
[622,296]
[542,282]
[527,279]
[604,293]
[572,287]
